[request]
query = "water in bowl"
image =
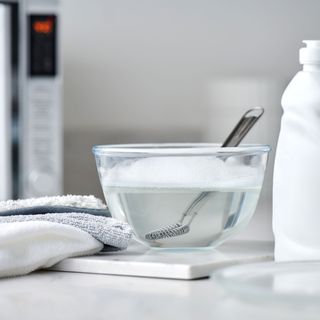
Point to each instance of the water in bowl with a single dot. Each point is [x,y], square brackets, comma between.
[221,213]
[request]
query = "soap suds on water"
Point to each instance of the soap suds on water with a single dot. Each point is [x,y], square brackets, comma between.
[204,172]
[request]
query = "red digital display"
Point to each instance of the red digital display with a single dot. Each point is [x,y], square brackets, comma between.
[43,26]
[43,45]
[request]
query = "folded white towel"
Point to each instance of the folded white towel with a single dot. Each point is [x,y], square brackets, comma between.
[29,240]
[27,246]
[109,231]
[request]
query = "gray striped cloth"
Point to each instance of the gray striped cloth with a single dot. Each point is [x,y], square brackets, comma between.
[109,231]
[85,212]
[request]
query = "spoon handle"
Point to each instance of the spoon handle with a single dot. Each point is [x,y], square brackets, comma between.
[243,127]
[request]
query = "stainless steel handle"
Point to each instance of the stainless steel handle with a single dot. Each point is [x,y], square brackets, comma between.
[243,127]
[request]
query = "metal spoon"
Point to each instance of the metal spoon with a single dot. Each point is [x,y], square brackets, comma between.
[241,129]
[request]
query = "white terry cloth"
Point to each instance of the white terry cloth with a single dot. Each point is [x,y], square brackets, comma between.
[27,246]
[89,202]
[107,230]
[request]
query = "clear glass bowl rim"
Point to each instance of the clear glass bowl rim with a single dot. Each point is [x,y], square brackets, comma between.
[177,149]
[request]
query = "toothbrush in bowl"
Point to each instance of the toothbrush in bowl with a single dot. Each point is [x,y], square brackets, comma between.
[181,227]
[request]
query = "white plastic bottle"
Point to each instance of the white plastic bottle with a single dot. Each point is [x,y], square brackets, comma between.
[296,189]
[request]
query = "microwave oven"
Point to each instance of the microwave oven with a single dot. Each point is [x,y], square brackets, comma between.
[30,99]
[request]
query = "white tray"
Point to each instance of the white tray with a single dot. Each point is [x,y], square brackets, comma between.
[137,260]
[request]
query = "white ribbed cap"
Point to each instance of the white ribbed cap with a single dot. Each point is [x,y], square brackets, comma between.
[311,53]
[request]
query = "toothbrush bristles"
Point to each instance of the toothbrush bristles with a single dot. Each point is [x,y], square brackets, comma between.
[168,232]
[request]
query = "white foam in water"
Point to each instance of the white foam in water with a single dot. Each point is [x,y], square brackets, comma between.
[187,172]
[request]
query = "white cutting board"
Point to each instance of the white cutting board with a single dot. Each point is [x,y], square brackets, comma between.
[138,260]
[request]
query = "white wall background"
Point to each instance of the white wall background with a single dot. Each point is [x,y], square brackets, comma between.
[131,60]
[148,70]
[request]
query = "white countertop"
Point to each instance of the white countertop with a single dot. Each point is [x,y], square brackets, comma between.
[61,295]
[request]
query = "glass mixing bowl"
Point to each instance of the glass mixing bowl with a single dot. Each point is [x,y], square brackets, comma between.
[182,195]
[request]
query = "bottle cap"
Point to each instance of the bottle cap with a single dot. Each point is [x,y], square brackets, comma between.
[311,53]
